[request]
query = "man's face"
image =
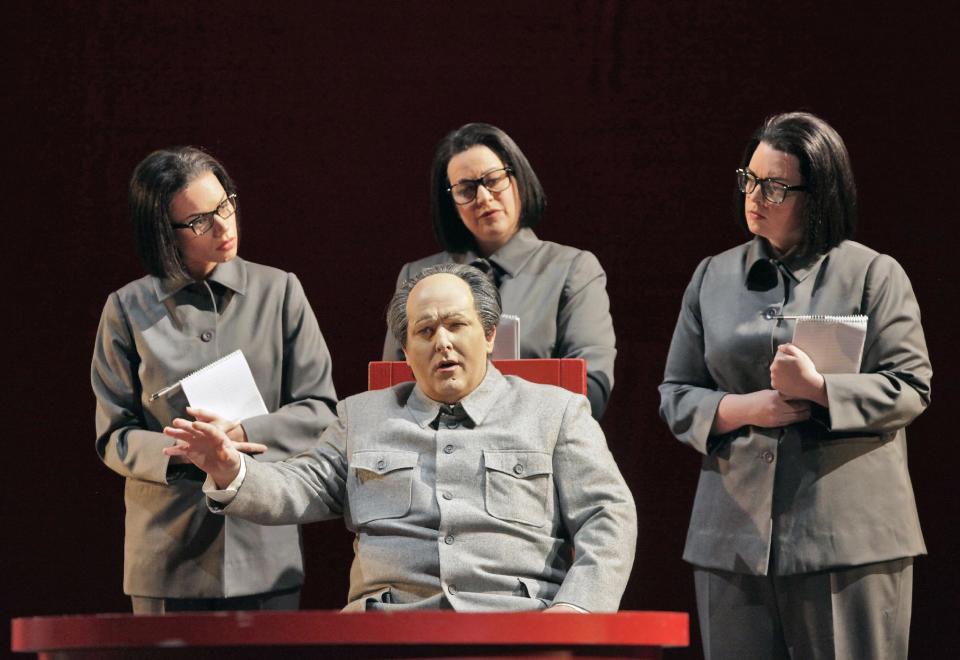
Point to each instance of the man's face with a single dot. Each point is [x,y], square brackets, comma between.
[446,348]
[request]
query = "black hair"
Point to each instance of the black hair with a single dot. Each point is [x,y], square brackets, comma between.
[830,204]
[155,181]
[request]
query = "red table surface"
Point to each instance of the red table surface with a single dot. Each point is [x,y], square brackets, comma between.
[622,629]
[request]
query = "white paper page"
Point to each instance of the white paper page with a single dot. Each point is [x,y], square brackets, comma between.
[507,345]
[834,343]
[225,388]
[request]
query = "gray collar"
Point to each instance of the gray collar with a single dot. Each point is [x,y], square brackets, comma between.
[760,251]
[477,404]
[512,257]
[232,275]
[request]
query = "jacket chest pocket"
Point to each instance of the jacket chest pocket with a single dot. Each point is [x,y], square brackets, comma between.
[382,484]
[517,485]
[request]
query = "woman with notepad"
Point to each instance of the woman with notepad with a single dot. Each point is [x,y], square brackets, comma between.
[236,338]
[485,201]
[797,362]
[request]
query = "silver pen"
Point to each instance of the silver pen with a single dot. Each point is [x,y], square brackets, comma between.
[770,314]
[166,390]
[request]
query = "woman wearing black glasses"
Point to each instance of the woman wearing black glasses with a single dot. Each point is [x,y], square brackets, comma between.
[804,525]
[201,302]
[485,200]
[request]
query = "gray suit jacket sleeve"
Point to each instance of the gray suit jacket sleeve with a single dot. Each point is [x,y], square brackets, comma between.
[585,327]
[122,442]
[598,511]
[894,384]
[688,395]
[306,382]
[303,489]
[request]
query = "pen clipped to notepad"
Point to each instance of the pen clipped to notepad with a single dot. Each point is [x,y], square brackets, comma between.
[225,387]
[165,391]
[770,315]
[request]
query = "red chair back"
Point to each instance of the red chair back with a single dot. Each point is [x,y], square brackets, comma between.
[569,373]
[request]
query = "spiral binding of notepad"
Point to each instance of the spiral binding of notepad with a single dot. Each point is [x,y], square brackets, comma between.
[830,318]
[823,318]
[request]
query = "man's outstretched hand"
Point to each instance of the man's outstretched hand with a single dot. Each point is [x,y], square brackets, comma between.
[205,443]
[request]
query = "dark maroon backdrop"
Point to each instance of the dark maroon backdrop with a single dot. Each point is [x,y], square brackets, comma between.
[634,115]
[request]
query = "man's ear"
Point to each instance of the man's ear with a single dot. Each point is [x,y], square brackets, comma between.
[491,339]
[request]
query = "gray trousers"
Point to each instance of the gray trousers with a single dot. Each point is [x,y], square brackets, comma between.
[848,613]
[288,599]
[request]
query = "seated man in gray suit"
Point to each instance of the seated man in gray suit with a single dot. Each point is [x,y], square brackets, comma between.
[467,490]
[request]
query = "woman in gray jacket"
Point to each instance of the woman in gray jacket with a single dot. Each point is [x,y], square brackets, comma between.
[804,525]
[200,302]
[485,201]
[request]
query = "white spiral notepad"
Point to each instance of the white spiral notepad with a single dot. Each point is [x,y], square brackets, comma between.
[834,343]
[225,388]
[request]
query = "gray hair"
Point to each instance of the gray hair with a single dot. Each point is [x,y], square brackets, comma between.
[486,298]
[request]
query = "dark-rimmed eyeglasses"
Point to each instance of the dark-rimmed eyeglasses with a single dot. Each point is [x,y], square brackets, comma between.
[465,190]
[203,222]
[772,190]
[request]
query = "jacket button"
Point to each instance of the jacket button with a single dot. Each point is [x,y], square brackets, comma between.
[452,590]
[207,335]
[518,468]
[381,464]
[447,495]
[770,313]
[767,456]
[448,449]
[451,424]
[448,540]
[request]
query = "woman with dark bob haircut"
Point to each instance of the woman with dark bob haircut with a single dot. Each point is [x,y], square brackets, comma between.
[485,200]
[201,302]
[804,525]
